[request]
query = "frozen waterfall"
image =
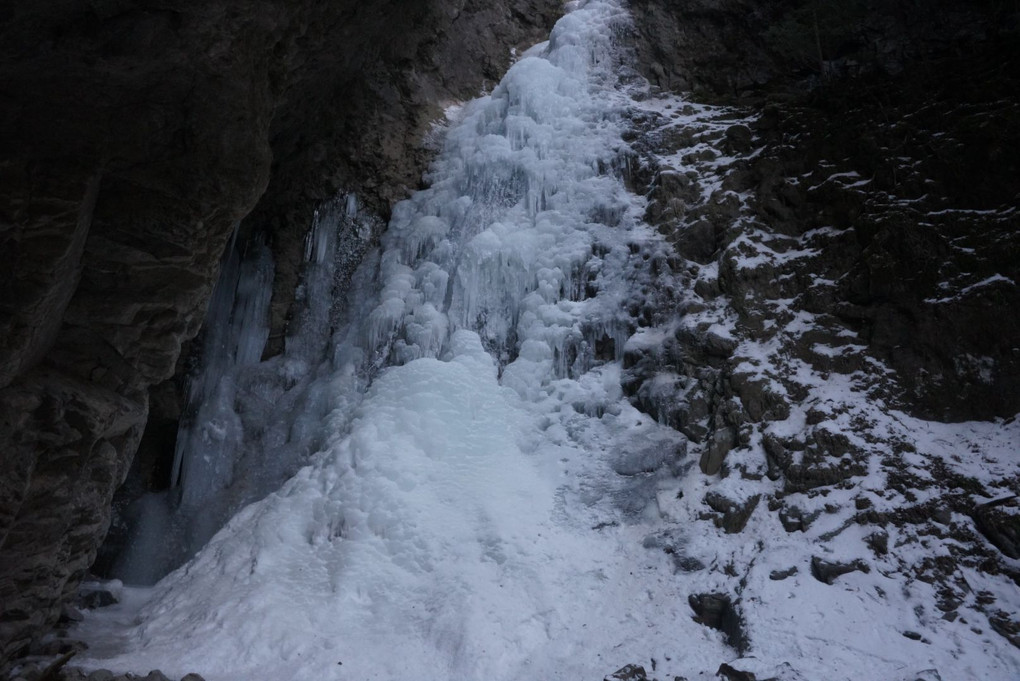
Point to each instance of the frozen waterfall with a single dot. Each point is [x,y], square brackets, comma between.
[249,424]
[482,489]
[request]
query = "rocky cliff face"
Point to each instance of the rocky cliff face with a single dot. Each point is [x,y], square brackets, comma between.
[134,137]
[890,126]
[850,270]
[869,161]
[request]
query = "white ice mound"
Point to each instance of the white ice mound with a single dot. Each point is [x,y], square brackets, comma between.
[418,527]
[423,544]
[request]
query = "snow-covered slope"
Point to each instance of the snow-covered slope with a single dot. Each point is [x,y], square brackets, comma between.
[490,502]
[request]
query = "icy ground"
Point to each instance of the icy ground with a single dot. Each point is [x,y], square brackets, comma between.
[489,504]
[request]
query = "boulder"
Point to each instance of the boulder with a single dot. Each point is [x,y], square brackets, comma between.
[718,611]
[1000,524]
[735,514]
[827,571]
[719,445]
[631,672]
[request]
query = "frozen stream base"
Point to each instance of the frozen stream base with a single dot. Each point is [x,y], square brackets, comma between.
[432,542]
[488,506]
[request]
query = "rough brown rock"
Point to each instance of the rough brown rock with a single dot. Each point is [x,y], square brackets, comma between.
[828,571]
[704,46]
[123,175]
[719,611]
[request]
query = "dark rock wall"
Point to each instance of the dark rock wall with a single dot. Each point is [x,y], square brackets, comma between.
[919,101]
[134,137]
[711,48]
[863,241]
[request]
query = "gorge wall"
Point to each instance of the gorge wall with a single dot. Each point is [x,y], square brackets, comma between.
[914,100]
[135,136]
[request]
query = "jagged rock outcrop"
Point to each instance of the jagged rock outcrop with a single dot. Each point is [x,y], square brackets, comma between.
[890,128]
[134,136]
[847,236]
